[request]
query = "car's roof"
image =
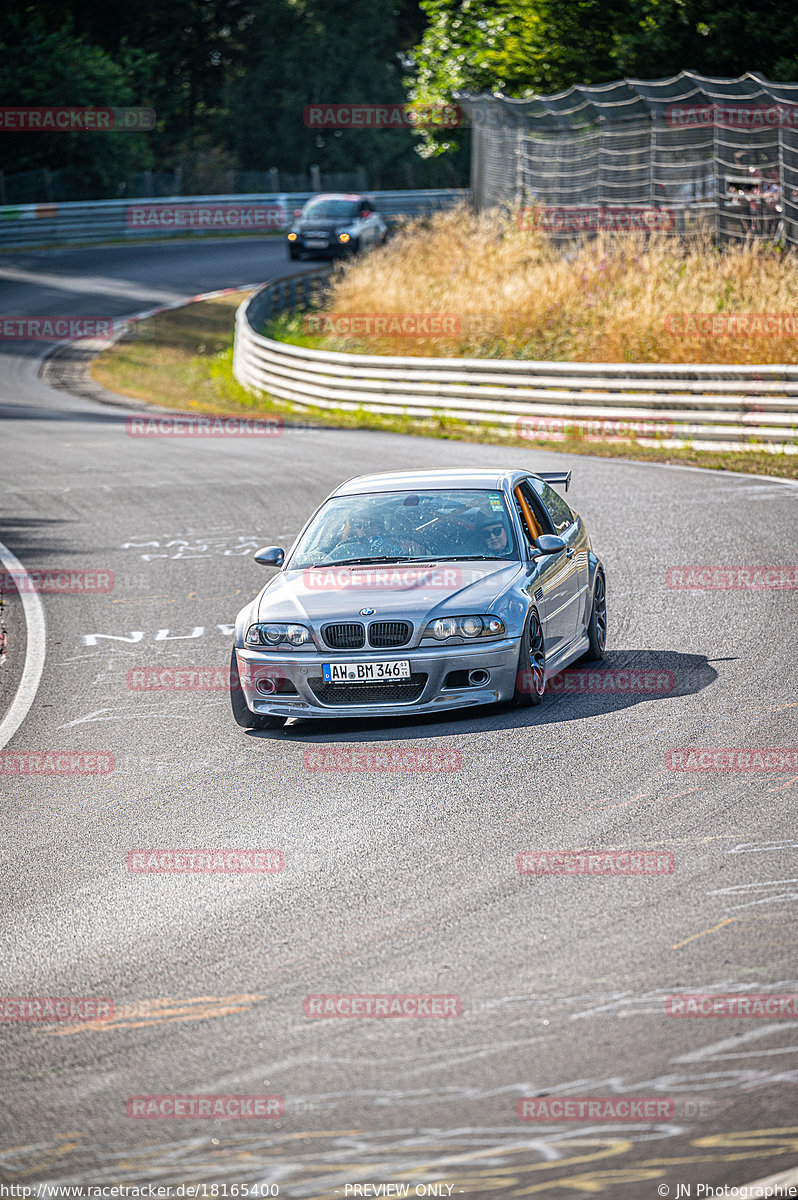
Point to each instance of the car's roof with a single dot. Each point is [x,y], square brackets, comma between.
[338,196]
[454,477]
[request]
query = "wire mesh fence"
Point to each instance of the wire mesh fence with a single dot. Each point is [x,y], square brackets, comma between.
[680,155]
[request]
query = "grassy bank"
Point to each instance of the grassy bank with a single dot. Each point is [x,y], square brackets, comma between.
[182,359]
[514,293]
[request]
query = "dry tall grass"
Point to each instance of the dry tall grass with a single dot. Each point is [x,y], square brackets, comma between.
[518,296]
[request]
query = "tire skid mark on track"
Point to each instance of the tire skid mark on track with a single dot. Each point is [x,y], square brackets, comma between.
[711,929]
[787,783]
[143,1013]
[316,1163]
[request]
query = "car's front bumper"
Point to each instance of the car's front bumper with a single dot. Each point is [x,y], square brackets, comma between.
[303,672]
[333,249]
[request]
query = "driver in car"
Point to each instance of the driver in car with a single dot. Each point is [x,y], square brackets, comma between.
[494,536]
[367,538]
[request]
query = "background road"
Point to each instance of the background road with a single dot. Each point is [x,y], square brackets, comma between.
[393,882]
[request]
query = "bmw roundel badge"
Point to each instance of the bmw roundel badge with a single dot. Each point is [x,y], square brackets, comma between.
[367,612]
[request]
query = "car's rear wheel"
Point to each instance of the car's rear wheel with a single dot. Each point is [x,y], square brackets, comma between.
[244,716]
[530,678]
[597,625]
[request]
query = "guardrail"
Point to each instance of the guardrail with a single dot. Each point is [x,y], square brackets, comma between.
[24,225]
[706,406]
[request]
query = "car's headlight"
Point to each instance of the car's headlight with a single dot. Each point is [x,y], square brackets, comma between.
[466,627]
[292,237]
[273,634]
[343,237]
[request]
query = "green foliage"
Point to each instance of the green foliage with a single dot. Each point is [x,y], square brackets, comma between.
[302,52]
[229,79]
[42,68]
[714,37]
[518,47]
[524,47]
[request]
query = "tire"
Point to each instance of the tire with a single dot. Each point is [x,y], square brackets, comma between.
[597,625]
[243,714]
[530,677]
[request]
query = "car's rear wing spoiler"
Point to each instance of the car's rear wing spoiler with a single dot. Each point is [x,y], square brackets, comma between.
[563,477]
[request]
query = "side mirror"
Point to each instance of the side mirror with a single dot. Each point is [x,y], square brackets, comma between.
[549,543]
[270,556]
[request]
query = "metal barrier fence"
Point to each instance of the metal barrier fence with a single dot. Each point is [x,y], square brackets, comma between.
[719,154]
[25,225]
[706,406]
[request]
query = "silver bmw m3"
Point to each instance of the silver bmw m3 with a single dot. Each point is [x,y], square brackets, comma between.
[418,591]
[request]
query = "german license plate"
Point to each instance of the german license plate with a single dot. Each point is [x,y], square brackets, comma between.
[349,672]
[316,243]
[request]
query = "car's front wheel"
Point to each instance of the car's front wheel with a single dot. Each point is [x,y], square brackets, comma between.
[530,678]
[244,716]
[597,625]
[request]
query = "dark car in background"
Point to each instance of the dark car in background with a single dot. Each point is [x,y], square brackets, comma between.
[336,225]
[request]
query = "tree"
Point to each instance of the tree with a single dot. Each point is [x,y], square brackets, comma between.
[527,47]
[663,37]
[58,68]
[304,52]
[519,47]
[190,48]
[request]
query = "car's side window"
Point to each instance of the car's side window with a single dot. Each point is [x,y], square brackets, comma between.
[526,512]
[561,516]
[543,521]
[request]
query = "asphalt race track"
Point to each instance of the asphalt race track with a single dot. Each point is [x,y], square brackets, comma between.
[393,882]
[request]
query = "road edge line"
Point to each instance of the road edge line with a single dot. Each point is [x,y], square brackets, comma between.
[34,649]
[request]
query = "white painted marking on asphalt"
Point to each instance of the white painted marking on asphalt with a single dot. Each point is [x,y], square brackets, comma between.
[161,635]
[34,653]
[90,639]
[113,714]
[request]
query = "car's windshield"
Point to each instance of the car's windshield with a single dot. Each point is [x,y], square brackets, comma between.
[408,526]
[330,208]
